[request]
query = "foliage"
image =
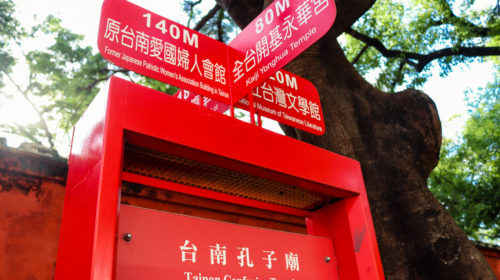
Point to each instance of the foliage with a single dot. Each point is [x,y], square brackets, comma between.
[396,40]
[216,23]
[9,32]
[62,79]
[467,179]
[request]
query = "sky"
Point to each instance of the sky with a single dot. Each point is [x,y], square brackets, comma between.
[82,17]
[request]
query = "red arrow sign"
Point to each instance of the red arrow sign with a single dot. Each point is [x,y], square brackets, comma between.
[289,99]
[284,97]
[275,37]
[144,42]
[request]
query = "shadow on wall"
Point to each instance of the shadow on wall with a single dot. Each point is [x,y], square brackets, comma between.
[31,201]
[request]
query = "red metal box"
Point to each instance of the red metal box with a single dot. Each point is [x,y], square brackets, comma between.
[134,136]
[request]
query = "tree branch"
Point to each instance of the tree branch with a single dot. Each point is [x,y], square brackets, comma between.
[377,44]
[476,31]
[207,17]
[45,128]
[360,54]
[419,61]
[95,82]
[88,89]
[460,51]
[220,31]
[399,76]
[189,9]
[451,18]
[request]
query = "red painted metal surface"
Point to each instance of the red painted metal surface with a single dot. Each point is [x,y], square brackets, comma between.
[215,249]
[350,222]
[133,114]
[88,224]
[232,139]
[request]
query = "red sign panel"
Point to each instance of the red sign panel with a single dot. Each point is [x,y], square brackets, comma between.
[169,246]
[289,99]
[201,100]
[137,39]
[284,97]
[144,42]
[275,37]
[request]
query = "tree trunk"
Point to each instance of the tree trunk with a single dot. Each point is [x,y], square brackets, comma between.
[396,138]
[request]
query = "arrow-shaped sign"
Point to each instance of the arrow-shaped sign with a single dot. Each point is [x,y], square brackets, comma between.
[275,37]
[137,39]
[284,97]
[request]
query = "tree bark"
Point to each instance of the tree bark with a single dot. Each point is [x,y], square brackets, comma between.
[396,138]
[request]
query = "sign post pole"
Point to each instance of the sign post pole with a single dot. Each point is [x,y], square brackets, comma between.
[251,107]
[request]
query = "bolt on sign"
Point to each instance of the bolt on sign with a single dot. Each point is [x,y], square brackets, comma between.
[215,250]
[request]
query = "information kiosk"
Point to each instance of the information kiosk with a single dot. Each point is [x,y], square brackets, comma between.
[234,201]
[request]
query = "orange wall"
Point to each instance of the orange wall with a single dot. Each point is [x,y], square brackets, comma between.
[31,201]
[493,258]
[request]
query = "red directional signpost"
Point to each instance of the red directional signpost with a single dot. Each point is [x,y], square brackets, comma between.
[288,99]
[278,208]
[144,42]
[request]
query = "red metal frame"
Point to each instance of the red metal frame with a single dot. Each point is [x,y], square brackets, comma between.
[145,117]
